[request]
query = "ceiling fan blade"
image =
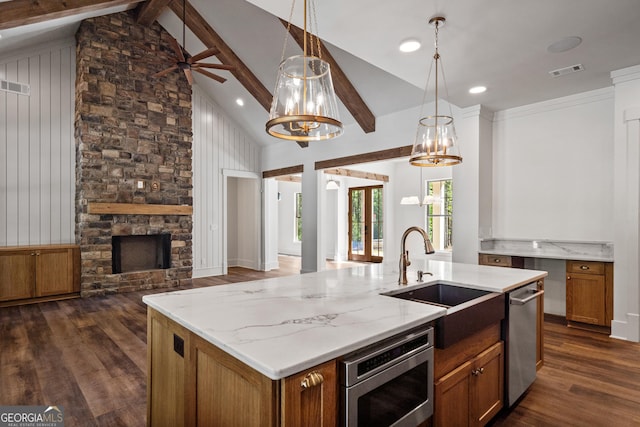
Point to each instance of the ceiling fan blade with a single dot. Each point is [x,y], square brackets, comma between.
[187,72]
[211,75]
[204,54]
[165,72]
[216,66]
[176,47]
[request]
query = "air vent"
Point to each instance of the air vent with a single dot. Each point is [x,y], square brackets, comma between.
[567,70]
[15,87]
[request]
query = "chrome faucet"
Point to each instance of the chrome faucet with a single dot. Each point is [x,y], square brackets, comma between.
[404,254]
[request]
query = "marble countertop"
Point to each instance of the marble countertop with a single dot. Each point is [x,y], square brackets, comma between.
[553,249]
[285,325]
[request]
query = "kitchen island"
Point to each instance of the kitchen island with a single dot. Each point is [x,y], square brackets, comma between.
[276,329]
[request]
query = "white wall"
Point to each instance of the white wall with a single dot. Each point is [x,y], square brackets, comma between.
[287,245]
[553,169]
[218,144]
[626,287]
[37,149]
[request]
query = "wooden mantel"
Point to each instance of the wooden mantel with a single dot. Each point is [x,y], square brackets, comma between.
[138,209]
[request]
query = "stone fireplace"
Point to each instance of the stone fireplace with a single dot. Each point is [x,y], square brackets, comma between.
[133,147]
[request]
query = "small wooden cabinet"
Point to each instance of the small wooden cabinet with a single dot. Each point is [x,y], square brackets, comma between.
[36,273]
[518,262]
[193,383]
[472,393]
[590,294]
[501,260]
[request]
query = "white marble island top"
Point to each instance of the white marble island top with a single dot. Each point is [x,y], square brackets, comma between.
[285,325]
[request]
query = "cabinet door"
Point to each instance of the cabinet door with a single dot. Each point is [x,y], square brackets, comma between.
[54,272]
[487,385]
[586,296]
[166,377]
[451,400]
[16,275]
[310,398]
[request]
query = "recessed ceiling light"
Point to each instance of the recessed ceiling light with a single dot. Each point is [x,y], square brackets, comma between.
[410,45]
[240,102]
[478,89]
[564,44]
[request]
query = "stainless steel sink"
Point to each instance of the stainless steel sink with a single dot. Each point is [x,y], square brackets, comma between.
[468,310]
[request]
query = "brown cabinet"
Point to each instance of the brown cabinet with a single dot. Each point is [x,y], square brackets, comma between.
[311,397]
[518,262]
[589,294]
[472,393]
[501,260]
[35,273]
[191,382]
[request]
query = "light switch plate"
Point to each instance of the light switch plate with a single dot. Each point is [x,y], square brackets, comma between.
[140,184]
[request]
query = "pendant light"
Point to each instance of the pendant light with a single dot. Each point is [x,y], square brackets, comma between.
[304,106]
[436,141]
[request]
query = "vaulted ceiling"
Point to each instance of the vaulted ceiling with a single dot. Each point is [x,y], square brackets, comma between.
[501,44]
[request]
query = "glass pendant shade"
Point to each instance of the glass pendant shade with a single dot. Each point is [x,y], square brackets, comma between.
[304,106]
[435,143]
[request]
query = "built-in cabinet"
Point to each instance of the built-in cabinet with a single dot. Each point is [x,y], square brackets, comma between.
[590,294]
[518,262]
[469,384]
[37,273]
[191,382]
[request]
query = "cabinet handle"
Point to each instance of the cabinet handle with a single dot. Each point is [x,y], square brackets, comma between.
[496,260]
[584,267]
[33,254]
[477,372]
[568,277]
[312,379]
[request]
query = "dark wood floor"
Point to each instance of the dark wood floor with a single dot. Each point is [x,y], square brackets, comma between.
[89,356]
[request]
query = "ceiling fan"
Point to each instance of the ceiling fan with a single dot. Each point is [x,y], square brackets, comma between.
[188,63]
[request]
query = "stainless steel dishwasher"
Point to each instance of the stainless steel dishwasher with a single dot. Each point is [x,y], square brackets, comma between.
[520,335]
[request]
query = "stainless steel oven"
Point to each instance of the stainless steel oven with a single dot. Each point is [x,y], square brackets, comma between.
[389,383]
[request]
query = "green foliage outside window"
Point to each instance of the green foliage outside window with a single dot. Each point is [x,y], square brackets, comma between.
[298,200]
[440,214]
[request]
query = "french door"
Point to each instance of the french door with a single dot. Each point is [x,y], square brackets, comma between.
[366,241]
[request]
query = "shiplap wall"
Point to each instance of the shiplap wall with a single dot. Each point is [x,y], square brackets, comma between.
[218,144]
[37,149]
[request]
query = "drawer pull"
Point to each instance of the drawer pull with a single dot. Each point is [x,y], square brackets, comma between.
[477,372]
[584,267]
[496,260]
[312,379]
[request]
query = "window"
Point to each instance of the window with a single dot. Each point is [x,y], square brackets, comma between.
[439,214]
[298,218]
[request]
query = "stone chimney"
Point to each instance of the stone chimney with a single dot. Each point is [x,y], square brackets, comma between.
[131,131]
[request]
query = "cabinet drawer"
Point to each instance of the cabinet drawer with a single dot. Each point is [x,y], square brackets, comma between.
[585,267]
[501,260]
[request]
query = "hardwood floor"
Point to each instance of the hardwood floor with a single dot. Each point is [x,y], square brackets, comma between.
[89,356]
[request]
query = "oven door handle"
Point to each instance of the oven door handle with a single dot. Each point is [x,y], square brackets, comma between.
[523,301]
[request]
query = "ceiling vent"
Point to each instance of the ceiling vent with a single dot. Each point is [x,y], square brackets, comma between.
[567,70]
[15,87]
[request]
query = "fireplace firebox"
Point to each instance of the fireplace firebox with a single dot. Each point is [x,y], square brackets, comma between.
[140,253]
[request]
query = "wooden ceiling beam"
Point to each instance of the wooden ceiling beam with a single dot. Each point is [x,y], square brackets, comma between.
[343,86]
[283,171]
[289,178]
[357,174]
[374,156]
[23,12]
[149,11]
[210,38]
